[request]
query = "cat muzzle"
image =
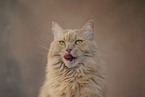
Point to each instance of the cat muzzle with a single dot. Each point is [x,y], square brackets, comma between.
[69,57]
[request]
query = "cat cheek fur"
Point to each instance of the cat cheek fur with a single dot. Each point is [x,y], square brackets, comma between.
[76,52]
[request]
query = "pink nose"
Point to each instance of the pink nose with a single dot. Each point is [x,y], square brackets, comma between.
[69,50]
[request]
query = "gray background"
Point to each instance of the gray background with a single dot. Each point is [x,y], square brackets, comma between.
[25,35]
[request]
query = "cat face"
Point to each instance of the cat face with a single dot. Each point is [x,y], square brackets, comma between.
[73,46]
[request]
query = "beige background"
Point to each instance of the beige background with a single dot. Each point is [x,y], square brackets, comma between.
[25,35]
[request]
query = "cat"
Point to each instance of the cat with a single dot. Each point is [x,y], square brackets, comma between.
[74,68]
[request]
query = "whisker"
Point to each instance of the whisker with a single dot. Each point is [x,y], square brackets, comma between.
[88,55]
[42,45]
[116,54]
[43,53]
[105,46]
[103,55]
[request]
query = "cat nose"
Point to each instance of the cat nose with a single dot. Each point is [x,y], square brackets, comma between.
[68,50]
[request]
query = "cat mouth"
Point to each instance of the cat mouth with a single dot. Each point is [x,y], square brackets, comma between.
[69,58]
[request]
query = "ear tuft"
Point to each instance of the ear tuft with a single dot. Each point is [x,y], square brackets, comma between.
[57,30]
[88,29]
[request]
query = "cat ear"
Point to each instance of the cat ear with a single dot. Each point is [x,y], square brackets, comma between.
[88,29]
[56,29]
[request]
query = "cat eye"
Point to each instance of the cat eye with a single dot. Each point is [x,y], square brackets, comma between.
[62,42]
[78,42]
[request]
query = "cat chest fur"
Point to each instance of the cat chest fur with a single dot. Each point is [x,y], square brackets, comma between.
[75,82]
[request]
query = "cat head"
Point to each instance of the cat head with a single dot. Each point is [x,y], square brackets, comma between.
[73,46]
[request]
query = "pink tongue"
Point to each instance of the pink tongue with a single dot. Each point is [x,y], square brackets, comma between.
[68,57]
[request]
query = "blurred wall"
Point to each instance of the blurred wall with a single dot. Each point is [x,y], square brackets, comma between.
[25,35]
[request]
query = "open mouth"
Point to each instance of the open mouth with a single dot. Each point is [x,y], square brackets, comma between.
[69,58]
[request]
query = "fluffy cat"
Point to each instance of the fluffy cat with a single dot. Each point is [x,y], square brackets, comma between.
[74,69]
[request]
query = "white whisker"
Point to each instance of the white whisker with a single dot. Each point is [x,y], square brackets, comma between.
[105,46]
[43,53]
[42,45]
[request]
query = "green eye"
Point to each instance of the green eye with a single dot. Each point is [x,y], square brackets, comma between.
[78,42]
[62,42]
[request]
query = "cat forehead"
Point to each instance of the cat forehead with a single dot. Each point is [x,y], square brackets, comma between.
[71,30]
[71,34]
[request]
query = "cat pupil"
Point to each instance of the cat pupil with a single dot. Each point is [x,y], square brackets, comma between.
[78,42]
[62,42]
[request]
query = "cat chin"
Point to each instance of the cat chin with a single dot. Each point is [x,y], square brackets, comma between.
[71,64]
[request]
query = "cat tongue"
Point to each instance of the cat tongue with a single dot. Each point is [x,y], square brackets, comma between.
[68,57]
